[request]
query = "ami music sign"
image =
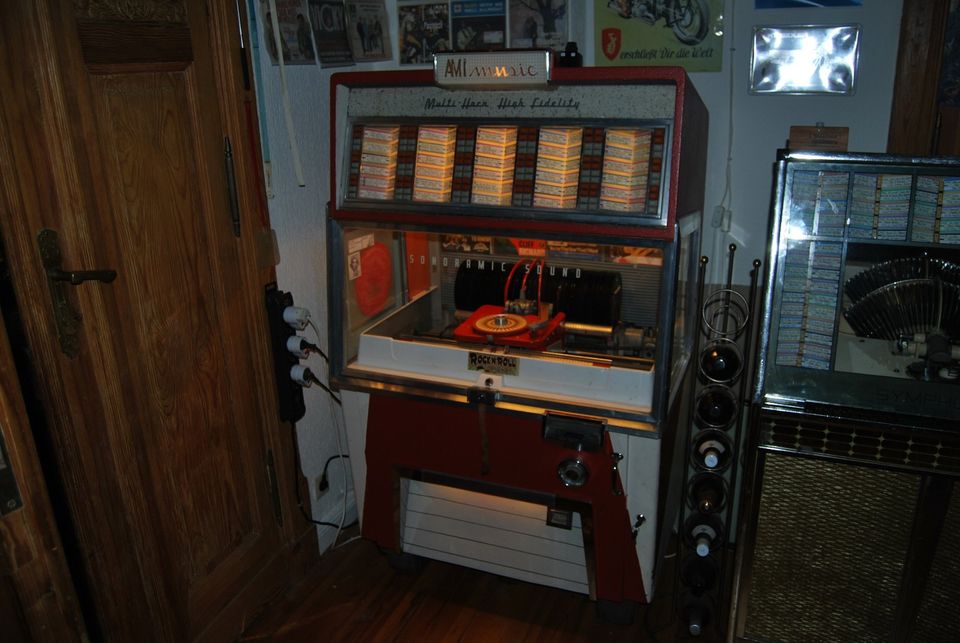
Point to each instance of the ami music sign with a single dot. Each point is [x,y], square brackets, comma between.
[492,69]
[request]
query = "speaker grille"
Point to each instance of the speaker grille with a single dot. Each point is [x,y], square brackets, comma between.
[899,446]
[829,550]
[936,622]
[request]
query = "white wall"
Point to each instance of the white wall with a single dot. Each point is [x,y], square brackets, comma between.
[760,127]
[761,124]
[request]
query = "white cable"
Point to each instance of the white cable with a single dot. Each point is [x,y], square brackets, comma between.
[343,469]
[727,190]
[343,484]
[285,96]
[316,331]
[716,267]
[319,348]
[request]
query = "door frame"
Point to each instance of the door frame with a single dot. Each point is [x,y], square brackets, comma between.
[914,112]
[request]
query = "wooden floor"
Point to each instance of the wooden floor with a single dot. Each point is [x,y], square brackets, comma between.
[355,595]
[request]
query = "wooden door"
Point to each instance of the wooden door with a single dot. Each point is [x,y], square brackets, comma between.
[113,127]
[37,599]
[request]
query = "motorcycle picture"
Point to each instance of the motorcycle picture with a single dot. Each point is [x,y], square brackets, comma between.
[689,19]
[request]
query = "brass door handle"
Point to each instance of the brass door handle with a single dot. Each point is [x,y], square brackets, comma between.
[67,319]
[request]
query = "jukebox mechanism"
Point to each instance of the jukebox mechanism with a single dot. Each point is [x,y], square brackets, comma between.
[513,284]
[912,305]
[535,305]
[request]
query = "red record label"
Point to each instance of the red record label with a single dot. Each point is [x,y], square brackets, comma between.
[373,285]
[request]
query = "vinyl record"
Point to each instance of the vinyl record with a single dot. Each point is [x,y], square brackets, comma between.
[373,285]
[907,307]
[888,272]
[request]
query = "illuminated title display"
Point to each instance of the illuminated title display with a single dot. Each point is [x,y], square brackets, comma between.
[492,69]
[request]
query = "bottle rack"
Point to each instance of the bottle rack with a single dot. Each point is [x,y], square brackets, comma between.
[727,340]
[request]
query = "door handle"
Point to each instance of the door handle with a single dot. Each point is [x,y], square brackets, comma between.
[67,319]
[77,277]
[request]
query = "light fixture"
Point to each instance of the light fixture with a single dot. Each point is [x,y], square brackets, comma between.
[804,59]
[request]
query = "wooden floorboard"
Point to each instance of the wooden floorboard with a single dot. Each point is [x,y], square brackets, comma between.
[354,595]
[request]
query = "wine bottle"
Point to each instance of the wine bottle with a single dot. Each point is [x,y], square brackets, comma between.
[698,573]
[707,493]
[696,612]
[703,533]
[711,450]
[721,362]
[716,408]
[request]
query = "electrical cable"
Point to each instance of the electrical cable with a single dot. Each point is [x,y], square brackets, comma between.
[543,269]
[331,459]
[318,350]
[727,191]
[506,287]
[311,378]
[532,266]
[285,96]
[726,198]
[296,482]
[343,510]
[340,454]
[315,380]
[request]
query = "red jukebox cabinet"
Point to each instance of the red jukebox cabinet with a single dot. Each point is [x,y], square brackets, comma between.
[512,266]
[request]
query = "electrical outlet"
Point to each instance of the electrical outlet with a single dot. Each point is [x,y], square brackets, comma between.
[718,213]
[331,509]
[289,393]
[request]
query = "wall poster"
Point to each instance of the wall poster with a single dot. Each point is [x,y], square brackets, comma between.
[480,25]
[368,30]
[805,4]
[328,19]
[424,30]
[684,33]
[295,40]
[538,24]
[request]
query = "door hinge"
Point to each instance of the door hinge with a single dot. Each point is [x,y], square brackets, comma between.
[10,498]
[232,201]
[274,488]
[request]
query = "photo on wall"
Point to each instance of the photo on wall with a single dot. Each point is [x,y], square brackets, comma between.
[539,24]
[368,30]
[424,29]
[479,26]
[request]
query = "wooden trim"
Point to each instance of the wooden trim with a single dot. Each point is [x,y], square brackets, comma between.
[913,117]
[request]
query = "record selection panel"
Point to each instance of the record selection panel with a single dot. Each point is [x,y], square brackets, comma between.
[613,169]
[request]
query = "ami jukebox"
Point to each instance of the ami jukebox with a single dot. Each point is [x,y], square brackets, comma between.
[512,266]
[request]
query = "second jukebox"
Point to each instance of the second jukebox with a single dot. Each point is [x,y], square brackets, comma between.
[850,508]
[512,265]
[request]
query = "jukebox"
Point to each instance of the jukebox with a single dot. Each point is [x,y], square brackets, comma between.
[850,506]
[512,273]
